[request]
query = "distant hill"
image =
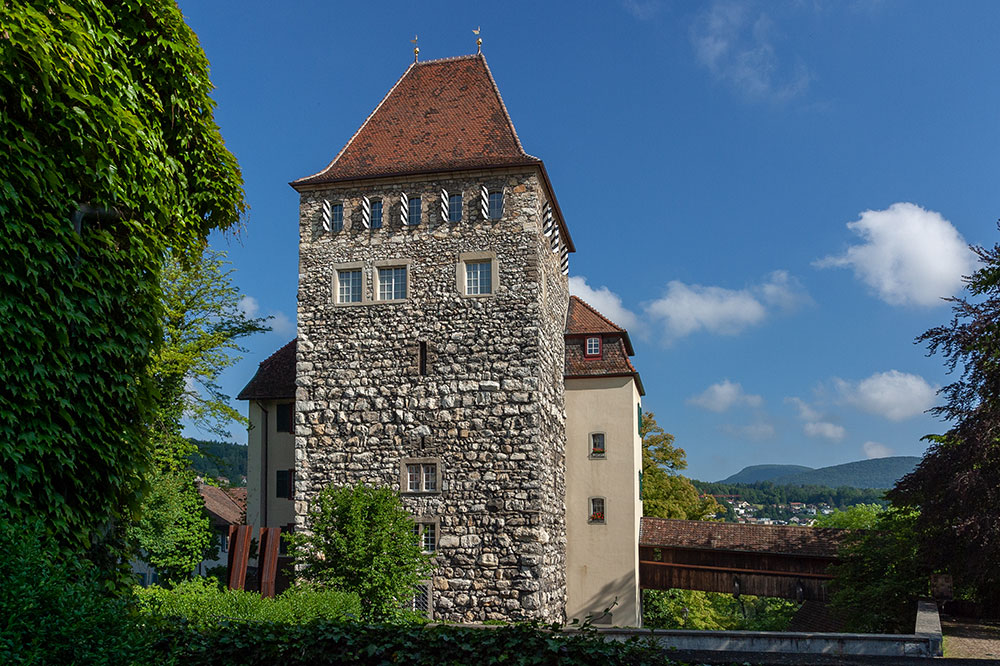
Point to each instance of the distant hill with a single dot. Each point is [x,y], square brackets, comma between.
[217,459]
[757,473]
[874,473]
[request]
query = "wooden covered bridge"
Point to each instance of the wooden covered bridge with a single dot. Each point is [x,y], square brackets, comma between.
[764,560]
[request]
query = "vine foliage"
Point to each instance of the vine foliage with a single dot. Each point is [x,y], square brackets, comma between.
[105,105]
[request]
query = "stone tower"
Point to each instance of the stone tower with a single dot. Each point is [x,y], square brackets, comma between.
[430,358]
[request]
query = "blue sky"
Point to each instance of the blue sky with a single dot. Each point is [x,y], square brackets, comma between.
[772,197]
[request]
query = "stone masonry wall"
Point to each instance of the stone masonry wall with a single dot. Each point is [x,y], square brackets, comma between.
[490,409]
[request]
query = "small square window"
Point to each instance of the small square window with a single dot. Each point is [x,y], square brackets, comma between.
[596,510]
[283,417]
[423,600]
[455,208]
[593,349]
[421,477]
[478,278]
[377,214]
[496,205]
[414,212]
[337,217]
[392,283]
[349,286]
[597,449]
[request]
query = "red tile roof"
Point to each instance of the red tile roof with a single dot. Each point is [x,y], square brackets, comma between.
[697,534]
[584,320]
[442,115]
[223,507]
[275,377]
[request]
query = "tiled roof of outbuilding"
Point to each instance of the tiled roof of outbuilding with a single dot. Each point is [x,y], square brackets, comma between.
[223,506]
[442,115]
[275,377]
[583,318]
[786,539]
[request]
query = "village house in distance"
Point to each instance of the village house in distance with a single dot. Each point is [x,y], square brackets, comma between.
[440,354]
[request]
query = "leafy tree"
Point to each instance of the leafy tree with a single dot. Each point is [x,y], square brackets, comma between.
[879,577]
[362,541]
[694,609]
[111,156]
[220,459]
[857,517]
[666,494]
[202,325]
[956,487]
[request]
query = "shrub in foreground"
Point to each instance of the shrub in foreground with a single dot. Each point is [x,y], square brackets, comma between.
[57,611]
[203,604]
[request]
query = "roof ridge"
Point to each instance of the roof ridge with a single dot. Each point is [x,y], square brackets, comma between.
[598,313]
[503,106]
[468,56]
[363,125]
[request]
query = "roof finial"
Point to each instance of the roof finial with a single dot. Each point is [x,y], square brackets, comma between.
[416,49]
[479,41]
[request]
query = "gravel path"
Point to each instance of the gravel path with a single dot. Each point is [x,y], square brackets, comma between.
[970,639]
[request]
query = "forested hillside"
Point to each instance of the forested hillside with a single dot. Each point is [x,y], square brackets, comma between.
[217,459]
[768,493]
[874,473]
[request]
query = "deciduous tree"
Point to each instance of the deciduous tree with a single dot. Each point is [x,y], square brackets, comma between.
[956,486]
[362,541]
[666,494]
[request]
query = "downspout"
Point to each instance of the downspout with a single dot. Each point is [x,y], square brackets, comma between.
[263,468]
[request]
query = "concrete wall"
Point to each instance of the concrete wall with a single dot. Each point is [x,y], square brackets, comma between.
[602,560]
[280,455]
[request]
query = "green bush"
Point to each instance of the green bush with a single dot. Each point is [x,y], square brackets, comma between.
[57,611]
[356,643]
[203,604]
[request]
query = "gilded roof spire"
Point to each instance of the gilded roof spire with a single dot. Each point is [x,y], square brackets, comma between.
[479,41]
[416,49]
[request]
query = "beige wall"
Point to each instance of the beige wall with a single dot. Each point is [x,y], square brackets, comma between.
[280,455]
[602,560]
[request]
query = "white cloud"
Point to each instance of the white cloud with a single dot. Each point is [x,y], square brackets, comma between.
[806,413]
[607,302]
[642,9]
[281,324]
[751,431]
[739,49]
[724,395]
[893,394]
[824,429]
[876,450]
[815,425]
[686,309]
[909,255]
[248,305]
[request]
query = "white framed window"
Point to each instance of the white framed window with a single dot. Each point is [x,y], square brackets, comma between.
[426,534]
[476,274]
[413,218]
[597,510]
[479,277]
[392,283]
[337,217]
[455,208]
[421,475]
[496,205]
[597,449]
[377,214]
[349,286]
[593,349]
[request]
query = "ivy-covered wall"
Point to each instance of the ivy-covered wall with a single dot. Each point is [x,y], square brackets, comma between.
[105,105]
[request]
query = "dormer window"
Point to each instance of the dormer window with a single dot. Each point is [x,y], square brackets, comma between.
[593,348]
